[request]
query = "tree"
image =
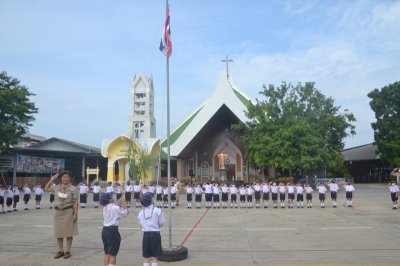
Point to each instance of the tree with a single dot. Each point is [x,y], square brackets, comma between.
[140,162]
[16,111]
[386,105]
[295,128]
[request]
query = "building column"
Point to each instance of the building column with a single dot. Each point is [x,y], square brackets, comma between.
[83,167]
[110,171]
[121,174]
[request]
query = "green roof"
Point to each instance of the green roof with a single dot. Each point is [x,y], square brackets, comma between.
[243,99]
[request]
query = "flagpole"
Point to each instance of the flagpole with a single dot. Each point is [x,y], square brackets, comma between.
[168,152]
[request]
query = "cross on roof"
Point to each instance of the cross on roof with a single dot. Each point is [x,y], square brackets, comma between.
[227,60]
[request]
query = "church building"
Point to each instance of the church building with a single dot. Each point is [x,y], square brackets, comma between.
[204,146]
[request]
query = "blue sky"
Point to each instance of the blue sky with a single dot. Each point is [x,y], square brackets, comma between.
[80,57]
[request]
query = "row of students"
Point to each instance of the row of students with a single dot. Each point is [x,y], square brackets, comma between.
[262,191]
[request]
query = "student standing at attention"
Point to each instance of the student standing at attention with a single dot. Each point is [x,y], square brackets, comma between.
[151,219]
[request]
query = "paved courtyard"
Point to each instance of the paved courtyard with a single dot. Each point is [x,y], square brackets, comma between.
[367,234]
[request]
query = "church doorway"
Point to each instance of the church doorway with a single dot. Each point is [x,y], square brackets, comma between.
[230,172]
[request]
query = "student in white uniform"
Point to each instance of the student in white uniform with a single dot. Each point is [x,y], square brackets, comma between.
[290,190]
[233,191]
[27,196]
[136,193]
[309,190]
[173,195]
[282,194]
[249,196]
[242,196]
[257,194]
[10,197]
[2,192]
[118,190]
[224,196]
[151,219]
[348,187]
[112,213]
[38,195]
[83,190]
[274,195]
[16,197]
[300,196]
[151,189]
[159,192]
[189,195]
[216,191]
[128,193]
[110,188]
[198,190]
[265,190]
[321,191]
[394,189]
[96,194]
[333,188]
[165,196]
[208,194]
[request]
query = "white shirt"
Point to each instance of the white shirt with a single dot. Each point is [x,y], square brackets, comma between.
[15,191]
[299,190]
[233,190]
[110,189]
[159,189]
[38,190]
[393,188]
[257,188]
[309,189]
[129,188]
[215,190]
[282,189]
[96,189]
[198,190]
[265,188]
[151,189]
[112,214]
[173,189]
[249,191]
[224,189]
[208,188]
[242,191]
[10,193]
[165,191]
[349,188]
[151,219]
[290,189]
[27,190]
[333,187]
[118,190]
[274,189]
[2,191]
[321,189]
[189,190]
[83,189]
[137,188]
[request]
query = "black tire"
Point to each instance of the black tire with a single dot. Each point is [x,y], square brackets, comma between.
[175,253]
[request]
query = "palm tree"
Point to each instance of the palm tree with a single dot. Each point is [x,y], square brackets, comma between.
[140,162]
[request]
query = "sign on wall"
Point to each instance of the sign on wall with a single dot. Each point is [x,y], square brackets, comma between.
[33,164]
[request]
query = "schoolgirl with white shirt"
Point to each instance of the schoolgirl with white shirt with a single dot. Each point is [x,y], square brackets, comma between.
[10,197]
[38,195]
[83,190]
[208,194]
[249,196]
[290,190]
[233,191]
[242,196]
[282,194]
[159,192]
[348,187]
[321,190]
[224,195]
[2,192]
[300,196]
[27,196]
[189,196]
[394,189]
[274,195]
[198,190]
[118,190]
[309,190]
[16,197]
[96,194]
[137,188]
[265,190]
[257,194]
[216,191]
[112,213]
[151,189]
[173,195]
[110,188]
[333,188]
[165,196]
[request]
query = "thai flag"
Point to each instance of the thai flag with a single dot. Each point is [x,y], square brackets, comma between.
[166,44]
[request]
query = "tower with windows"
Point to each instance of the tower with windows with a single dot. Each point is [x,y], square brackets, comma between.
[142,123]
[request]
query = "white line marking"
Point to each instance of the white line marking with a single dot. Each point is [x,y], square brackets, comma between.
[271,229]
[43,226]
[345,228]
[6,225]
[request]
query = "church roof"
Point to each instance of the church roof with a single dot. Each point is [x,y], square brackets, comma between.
[226,93]
[361,153]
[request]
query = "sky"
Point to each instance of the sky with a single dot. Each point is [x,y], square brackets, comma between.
[79,58]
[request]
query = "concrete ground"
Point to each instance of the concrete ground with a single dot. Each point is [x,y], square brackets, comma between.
[367,234]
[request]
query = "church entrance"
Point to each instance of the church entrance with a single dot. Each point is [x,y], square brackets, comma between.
[227,162]
[230,172]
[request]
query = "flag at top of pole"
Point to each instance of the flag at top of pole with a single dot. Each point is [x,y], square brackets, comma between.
[166,44]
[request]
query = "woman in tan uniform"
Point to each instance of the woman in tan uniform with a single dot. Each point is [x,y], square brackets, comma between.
[66,212]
